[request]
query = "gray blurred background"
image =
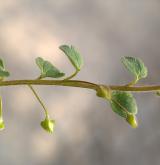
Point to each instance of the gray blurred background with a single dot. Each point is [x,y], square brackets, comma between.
[87,131]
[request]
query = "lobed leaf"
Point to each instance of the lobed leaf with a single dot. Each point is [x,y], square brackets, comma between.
[73,56]
[135,66]
[47,69]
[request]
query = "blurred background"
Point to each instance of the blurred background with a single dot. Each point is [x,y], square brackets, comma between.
[87,131]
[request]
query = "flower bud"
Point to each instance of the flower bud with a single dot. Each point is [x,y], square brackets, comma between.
[104,92]
[48,125]
[132,120]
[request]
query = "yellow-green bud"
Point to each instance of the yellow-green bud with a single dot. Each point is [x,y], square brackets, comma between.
[48,125]
[104,92]
[2,126]
[132,120]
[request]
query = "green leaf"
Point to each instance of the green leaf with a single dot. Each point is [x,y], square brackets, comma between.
[48,125]
[73,56]
[47,69]
[3,72]
[123,103]
[135,66]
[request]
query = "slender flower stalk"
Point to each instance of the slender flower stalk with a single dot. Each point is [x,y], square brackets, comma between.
[39,100]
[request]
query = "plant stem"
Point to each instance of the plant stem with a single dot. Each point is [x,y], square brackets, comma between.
[81,84]
[39,100]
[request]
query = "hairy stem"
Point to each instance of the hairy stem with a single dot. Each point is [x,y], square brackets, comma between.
[81,84]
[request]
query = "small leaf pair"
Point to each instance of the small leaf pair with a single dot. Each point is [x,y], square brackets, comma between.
[49,70]
[123,103]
